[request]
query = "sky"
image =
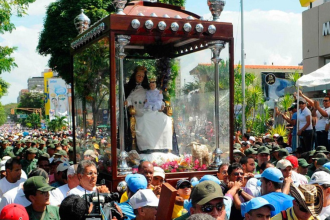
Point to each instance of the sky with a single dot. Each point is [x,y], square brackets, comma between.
[273,34]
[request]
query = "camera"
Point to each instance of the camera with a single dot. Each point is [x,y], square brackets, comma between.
[103,205]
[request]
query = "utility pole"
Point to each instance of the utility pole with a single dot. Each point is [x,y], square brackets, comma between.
[243,67]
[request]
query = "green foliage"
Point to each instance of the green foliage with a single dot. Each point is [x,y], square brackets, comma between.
[255,113]
[3,115]
[32,121]
[294,77]
[7,109]
[285,102]
[281,130]
[9,8]
[57,124]
[173,2]
[190,86]
[7,63]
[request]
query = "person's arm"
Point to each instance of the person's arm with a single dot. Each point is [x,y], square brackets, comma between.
[308,122]
[327,125]
[286,185]
[322,111]
[237,138]
[310,101]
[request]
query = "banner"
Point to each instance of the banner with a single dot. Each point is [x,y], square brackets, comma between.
[58,95]
[46,91]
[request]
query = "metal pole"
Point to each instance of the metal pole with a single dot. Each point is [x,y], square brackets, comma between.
[243,68]
[123,168]
[216,48]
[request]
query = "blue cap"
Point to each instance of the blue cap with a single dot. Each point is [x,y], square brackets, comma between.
[255,203]
[136,182]
[327,165]
[273,174]
[205,178]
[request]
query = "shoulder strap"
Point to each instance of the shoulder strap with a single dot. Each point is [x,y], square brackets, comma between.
[284,216]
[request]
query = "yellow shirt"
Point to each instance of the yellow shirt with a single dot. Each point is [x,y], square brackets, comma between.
[124,197]
[290,215]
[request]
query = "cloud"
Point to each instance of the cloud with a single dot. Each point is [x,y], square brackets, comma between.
[270,37]
[39,7]
[29,62]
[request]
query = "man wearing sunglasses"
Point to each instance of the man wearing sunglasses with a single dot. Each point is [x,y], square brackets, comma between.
[207,197]
[322,115]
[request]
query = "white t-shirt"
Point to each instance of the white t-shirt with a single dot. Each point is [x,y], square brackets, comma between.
[321,121]
[59,194]
[302,118]
[325,213]
[80,191]
[5,186]
[15,195]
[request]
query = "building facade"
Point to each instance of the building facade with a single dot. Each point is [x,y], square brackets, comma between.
[36,84]
[316,40]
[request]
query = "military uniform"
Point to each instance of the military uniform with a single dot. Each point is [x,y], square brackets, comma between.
[28,166]
[8,151]
[18,152]
[51,212]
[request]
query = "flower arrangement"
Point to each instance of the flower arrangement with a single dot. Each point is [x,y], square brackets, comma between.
[182,165]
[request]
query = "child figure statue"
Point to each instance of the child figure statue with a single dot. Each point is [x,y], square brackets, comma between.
[154,97]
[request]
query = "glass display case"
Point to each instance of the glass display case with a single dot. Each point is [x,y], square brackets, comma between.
[154,82]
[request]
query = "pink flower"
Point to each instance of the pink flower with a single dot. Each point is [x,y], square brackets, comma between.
[173,170]
[199,169]
[176,166]
[204,167]
[196,162]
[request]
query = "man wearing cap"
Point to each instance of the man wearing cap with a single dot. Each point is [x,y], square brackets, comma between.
[135,182]
[322,115]
[237,154]
[251,153]
[271,189]
[296,177]
[322,178]
[6,150]
[157,180]
[90,155]
[13,176]
[184,190]
[60,193]
[14,212]
[145,204]
[29,162]
[303,167]
[293,122]
[61,175]
[207,197]
[18,149]
[36,190]
[257,208]
[263,156]
[307,203]
[51,150]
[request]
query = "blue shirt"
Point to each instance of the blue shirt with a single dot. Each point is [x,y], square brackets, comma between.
[279,200]
[127,209]
[294,117]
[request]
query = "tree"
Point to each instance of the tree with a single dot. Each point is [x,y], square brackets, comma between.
[8,8]
[59,29]
[57,124]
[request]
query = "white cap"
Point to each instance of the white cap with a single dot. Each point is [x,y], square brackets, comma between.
[276,135]
[252,138]
[282,164]
[91,153]
[62,167]
[320,177]
[142,198]
[72,169]
[3,165]
[5,158]
[159,172]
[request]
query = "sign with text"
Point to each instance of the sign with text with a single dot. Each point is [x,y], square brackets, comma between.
[22,116]
[58,96]
[326,29]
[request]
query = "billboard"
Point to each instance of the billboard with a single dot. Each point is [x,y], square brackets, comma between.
[277,88]
[47,76]
[58,95]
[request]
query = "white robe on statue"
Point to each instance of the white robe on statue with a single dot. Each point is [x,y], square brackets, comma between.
[153,128]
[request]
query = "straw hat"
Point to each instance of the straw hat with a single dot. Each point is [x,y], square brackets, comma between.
[309,196]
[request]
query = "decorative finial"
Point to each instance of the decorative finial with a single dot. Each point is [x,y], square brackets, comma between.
[120,5]
[216,7]
[82,22]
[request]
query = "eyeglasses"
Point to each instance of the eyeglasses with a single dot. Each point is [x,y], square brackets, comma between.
[238,174]
[91,173]
[301,103]
[301,208]
[184,186]
[325,100]
[209,208]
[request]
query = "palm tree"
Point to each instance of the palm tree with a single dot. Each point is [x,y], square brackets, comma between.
[57,124]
